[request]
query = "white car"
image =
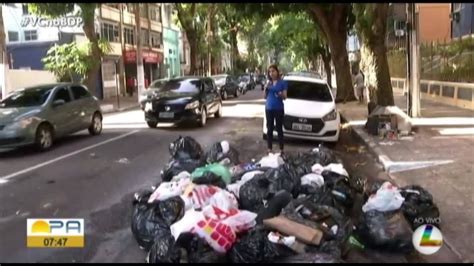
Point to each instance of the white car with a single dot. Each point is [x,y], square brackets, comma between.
[310,111]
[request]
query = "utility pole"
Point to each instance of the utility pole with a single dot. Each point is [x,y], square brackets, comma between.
[413,60]
[140,70]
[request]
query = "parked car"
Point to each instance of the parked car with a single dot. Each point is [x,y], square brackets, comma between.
[246,83]
[310,110]
[41,114]
[182,99]
[226,85]
[305,74]
[262,80]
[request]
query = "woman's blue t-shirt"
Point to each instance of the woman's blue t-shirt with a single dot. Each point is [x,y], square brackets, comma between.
[275,102]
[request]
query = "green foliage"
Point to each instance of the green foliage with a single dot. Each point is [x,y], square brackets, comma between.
[72,58]
[51,10]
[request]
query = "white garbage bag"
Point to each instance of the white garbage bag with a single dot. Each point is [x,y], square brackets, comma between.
[272,160]
[314,180]
[387,198]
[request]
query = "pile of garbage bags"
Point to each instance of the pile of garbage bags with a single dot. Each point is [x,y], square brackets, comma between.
[211,207]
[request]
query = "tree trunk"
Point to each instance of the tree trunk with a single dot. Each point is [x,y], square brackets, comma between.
[193,50]
[327,68]
[92,76]
[333,23]
[3,61]
[235,49]
[384,85]
[140,69]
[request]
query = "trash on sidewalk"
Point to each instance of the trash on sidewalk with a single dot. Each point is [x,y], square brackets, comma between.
[211,207]
[123,161]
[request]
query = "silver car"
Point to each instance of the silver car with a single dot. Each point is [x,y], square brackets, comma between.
[39,115]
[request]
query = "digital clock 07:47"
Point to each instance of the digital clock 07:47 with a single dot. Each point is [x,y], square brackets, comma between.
[55,242]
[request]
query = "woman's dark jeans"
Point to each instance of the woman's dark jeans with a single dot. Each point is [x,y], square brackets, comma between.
[274,118]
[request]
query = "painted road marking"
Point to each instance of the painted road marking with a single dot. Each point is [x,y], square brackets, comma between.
[4,179]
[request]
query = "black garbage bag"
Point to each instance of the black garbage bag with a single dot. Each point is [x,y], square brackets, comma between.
[174,167]
[149,219]
[283,178]
[371,187]
[388,231]
[254,247]
[325,155]
[253,193]
[328,196]
[313,257]
[185,148]
[164,249]
[209,178]
[301,163]
[215,154]
[197,249]
[274,207]
[341,188]
[419,207]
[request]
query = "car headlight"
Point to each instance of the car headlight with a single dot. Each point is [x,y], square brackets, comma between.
[192,105]
[331,116]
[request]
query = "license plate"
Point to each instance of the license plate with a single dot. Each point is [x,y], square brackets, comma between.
[148,107]
[302,127]
[166,115]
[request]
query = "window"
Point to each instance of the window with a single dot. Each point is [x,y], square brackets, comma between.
[309,91]
[155,13]
[156,39]
[117,6]
[110,32]
[62,94]
[130,8]
[26,98]
[129,36]
[31,35]
[24,7]
[143,10]
[145,37]
[80,92]
[13,36]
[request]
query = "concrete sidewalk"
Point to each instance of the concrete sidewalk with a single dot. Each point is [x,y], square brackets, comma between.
[438,157]
[124,103]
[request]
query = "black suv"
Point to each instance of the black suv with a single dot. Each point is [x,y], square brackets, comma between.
[182,99]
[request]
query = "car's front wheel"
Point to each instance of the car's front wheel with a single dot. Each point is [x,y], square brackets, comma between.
[224,95]
[152,124]
[96,126]
[218,114]
[44,137]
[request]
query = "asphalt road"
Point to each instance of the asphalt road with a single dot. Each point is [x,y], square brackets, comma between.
[94,178]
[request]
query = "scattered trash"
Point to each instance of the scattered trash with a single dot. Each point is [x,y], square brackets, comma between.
[304,207]
[387,143]
[47,205]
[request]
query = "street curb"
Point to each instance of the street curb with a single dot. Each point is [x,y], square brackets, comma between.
[359,133]
[383,159]
[115,110]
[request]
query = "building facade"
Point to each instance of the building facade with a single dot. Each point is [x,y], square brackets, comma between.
[119,67]
[434,22]
[172,60]
[185,53]
[462,20]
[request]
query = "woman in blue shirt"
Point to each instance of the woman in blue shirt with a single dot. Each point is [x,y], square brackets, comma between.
[275,93]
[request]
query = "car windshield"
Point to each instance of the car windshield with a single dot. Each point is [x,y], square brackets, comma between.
[183,86]
[27,97]
[310,91]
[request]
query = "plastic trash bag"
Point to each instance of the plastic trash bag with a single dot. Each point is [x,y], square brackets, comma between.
[198,251]
[253,193]
[220,151]
[314,180]
[168,190]
[387,198]
[176,167]
[185,148]
[164,249]
[235,187]
[149,219]
[283,178]
[419,207]
[325,156]
[272,160]
[209,178]
[336,168]
[275,206]
[385,231]
[313,257]
[255,247]
[217,169]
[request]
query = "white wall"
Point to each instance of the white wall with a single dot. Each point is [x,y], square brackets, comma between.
[18,78]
